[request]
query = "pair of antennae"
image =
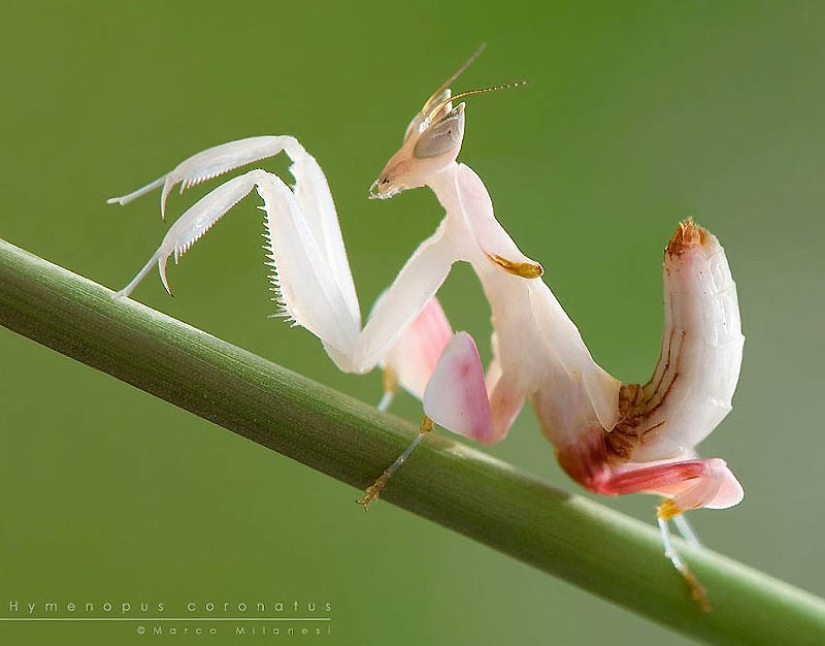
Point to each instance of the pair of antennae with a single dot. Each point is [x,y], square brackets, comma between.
[444,87]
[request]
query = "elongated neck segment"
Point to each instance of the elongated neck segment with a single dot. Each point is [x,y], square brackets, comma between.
[470,212]
[445,186]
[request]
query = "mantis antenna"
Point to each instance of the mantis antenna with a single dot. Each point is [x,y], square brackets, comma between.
[446,84]
[461,95]
[441,96]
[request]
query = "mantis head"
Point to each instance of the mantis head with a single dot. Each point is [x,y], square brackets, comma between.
[432,141]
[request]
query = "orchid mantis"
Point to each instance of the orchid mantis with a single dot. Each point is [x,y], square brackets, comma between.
[609,437]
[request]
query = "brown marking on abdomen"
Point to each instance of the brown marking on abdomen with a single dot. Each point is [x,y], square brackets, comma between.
[638,403]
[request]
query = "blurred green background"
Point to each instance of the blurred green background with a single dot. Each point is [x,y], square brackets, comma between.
[636,115]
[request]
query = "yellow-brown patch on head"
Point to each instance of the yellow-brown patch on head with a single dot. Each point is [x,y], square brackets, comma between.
[522,269]
[689,235]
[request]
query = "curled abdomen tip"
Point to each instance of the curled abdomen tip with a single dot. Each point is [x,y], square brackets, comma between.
[689,235]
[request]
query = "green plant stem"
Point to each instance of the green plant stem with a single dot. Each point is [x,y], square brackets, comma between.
[489,501]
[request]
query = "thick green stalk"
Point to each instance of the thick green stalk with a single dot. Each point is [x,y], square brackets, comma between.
[583,542]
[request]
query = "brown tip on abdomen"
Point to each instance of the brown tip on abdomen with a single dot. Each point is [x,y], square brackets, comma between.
[689,235]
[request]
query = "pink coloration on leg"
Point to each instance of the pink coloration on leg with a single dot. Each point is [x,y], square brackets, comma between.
[715,486]
[506,401]
[456,397]
[415,355]
[687,483]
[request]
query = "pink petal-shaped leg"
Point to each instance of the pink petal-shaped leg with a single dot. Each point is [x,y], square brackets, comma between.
[456,396]
[413,358]
[688,484]
[506,400]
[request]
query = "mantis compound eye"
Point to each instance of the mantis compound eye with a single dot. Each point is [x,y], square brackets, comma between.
[443,137]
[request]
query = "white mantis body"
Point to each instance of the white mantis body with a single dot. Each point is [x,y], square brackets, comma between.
[611,438]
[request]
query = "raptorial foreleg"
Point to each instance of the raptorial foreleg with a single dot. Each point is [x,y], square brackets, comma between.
[310,266]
